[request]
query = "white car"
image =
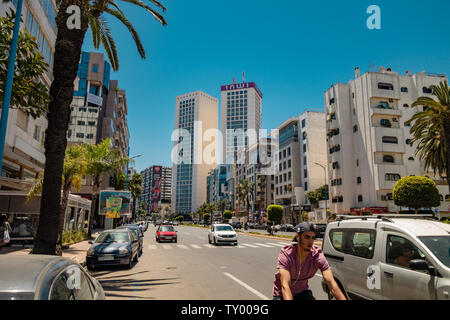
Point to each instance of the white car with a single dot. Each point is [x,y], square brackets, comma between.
[222,233]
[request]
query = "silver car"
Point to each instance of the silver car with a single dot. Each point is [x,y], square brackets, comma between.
[42,277]
[389,258]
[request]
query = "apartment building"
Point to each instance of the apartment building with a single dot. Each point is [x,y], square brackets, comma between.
[195,114]
[24,157]
[302,149]
[216,183]
[369,147]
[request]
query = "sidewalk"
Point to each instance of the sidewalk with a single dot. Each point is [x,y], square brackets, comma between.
[75,251]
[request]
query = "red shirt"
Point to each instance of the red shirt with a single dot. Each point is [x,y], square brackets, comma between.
[300,274]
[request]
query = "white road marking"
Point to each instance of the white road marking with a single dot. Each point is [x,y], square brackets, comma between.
[152,247]
[263,245]
[319,275]
[166,246]
[249,245]
[209,246]
[246,286]
[201,238]
[182,246]
[279,244]
[241,247]
[195,246]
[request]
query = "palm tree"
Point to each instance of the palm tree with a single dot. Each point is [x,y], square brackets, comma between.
[101,159]
[75,166]
[135,186]
[66,58]
[118,181]
[431,129]
[245,194]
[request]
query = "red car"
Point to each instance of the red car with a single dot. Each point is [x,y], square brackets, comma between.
[166,233]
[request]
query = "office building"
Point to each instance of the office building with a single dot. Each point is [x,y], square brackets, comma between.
[195,113]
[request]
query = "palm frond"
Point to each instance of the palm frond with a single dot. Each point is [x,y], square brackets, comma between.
[154,13]
[36,189]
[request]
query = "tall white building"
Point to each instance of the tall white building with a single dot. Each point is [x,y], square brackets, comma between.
[368,142]
[241,110]
[195,113]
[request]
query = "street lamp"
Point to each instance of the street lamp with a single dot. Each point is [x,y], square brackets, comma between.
[326,189]
[137,156]
[9,80]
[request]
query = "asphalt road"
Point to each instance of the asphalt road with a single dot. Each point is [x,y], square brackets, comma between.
[194,270]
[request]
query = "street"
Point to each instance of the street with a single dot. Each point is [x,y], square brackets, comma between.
[192,269]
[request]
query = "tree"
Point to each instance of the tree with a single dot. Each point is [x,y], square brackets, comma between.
[101,159]
[318,195]
[206,217]
[66,58]
[274,214]
[222,205]
[75,165]
[135,186]
[179,218]
[28,93]
[227,215]
[245,194]
[431,129]
[118,181]
[416,192]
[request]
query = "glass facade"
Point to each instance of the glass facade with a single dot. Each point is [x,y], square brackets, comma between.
[288,133]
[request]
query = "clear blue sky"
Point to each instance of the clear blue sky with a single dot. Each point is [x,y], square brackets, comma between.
[294,51]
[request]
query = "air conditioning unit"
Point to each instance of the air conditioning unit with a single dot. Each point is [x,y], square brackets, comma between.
[394,120]
[391,100]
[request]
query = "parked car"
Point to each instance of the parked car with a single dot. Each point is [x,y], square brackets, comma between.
[320,230]
[44,277]
[236,225]
[251,225]
[113,247]
[389,257]
[175,223]
[277,227]
[287,227]
[166,233]
[138,233]
[222,233]
[260,226]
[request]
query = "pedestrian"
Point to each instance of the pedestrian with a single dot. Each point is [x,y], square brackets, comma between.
[299,262]
[5,236]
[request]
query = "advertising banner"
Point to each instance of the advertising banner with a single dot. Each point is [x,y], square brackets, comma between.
[115,204]
[156,188]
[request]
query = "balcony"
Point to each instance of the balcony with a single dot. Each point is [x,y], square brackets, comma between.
[385,109]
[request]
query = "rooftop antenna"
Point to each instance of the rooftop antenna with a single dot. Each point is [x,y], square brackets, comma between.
[243,76]
[234,80]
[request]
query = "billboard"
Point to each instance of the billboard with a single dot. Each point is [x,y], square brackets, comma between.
[156,188]
[115,204]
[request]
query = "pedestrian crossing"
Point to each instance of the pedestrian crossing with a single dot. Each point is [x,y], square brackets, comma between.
[277,245]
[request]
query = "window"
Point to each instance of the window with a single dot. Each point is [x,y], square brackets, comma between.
[284,165]
[360,198]
[284,154]
[427,90]
[37,133]
[304,148]
[95,68]
[276,179]
[303,123]
[91,123]
[60,290]
[305,173]
[385,123]
[408,141]
[385,86]
[358,180]
[400,251]
[289,163]
[305,162]
[362,243]
[81,123]
[355,128]
[357,162]
[406,105]
[332,100]
[392,140]
[337,240]
[289,175]
[388,158]
[384,105]
[404,89]
[410,159]
[306,186]
[90,136]
[407,124]
[80,135]
[392,177]
[289,151]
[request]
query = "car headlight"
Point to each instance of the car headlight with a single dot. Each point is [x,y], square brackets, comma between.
[91,252]
[123,251]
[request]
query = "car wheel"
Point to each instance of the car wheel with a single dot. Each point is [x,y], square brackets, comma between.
[235,244]
[176,240]
[141,252]
[90,267]
[215,242]
[136,257]
[209,240]
[130,263]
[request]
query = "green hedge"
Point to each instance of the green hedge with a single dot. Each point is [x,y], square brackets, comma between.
[72,236]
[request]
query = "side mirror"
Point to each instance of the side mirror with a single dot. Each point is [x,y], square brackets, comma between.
[419,265]
[90,242]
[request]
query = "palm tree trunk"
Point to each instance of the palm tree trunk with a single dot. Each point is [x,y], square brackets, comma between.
[95,188]
[447,145]
[62,216]
[67,55]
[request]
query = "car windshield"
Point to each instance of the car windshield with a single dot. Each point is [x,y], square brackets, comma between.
[113,237]
[224,228]
[166,229]
[440,246]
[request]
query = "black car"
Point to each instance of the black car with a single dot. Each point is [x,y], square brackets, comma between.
[261,226]
[236,225]
[138,233]
[113,247]
[320,229]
